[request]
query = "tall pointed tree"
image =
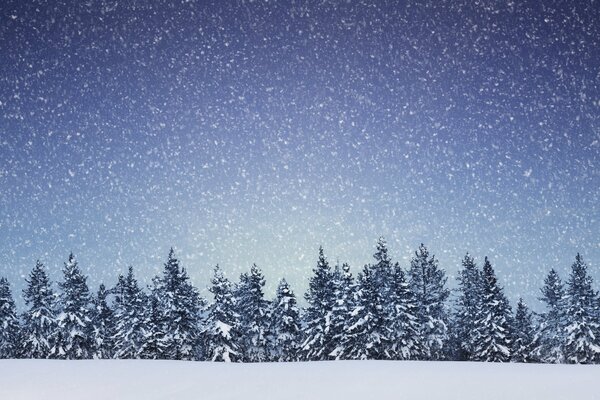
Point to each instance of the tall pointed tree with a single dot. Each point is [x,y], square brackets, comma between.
[406,335]
[73,336]
[492,332]
[428,284]
[39,321]
[582,345]
[130,329]
[344,304]
[318,342]
[285,325]
[9,323]
[468,307]
[551,332]
[221,335]
[103,325]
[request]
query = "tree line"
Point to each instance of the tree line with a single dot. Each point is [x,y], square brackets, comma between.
[386,312]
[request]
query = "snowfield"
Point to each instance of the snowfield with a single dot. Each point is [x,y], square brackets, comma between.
[136,379]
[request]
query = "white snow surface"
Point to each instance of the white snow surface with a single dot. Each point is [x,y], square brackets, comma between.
[348,380]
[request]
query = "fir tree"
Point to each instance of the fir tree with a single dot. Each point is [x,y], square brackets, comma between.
[428,284]
[492,332]
[39,321]
[406,336]
[130,329]
[154,322]
[551,332]
[254,315]
[221,336]
[9,323]
[318,342]
[467,308]
[285,330]
[344,292]
[103,325]
[582,330]
[523,335]
[73,336]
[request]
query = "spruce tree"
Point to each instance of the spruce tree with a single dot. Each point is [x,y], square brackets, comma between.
[406,335]
[103,325]
[221,335]
[428,284]
[551,332]
[254,316]
[285,330]
[344,292]
[492,332]
[39,321]
[467,308]
[73,336]
[582,345]
[154,321]
[523,335]
[130,330]
[318,342]
[9,323]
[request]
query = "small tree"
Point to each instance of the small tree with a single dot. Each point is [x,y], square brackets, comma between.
[103,325]
[524,335]
[551,336]
[285,330]
[9,323]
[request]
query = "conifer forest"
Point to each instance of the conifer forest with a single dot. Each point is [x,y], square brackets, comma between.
[384,311]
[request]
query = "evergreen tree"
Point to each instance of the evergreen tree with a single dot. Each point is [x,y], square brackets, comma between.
[73,336]
[467,308]
[406,336]
[285,330]
[492,332]
[524,335]
[154,322]
[254,316]
[428,284]
[9,323]
[103,325]
[551,332]
[130,329]
[582,330]
[344,292]
[221,336]
[39,321]
[181,305]
[318,342]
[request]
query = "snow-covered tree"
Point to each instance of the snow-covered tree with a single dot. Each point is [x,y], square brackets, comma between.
[103,325]
[467,308]
[9,323]
[180,303]
[154,322]
[344,292]
[428,284]
[253,310]
[551,332]
[285,330]
[39,321]
[582,345]
[130,306]
[73,337]
[318,342]
[492,329]
[523,335]
[221,336]
[406,336]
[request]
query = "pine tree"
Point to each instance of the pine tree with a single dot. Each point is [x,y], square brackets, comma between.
[130,329]
[524,335]
[103,325]
[39,321]
[582,330]
[254,316]
[551,333]
[73,336]
[318,342]
[9,323]
[406,336]
[181,305]
[154,343]
[428,284]
[492,332]
[221,336]
[285,330]
[344,292]
[467,308]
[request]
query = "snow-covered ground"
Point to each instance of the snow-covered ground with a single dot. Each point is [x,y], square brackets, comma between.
[113,379]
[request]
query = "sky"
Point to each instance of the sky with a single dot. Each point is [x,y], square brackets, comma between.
[243,132]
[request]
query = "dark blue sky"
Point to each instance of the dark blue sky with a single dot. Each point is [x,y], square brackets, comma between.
[243,132]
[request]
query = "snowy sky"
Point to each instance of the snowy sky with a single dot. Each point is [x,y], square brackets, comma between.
[241,132]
